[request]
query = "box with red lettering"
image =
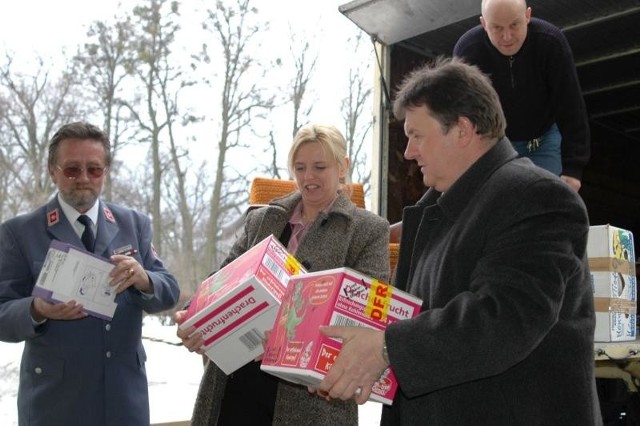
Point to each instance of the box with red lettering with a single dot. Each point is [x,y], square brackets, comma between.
[235,306]
[296,351]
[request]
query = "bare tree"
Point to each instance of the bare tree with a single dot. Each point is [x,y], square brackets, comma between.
[304,59]
[106,61]
[7,203]
[154,111]
[272,150]
[241,99]
[304,69]
[358,121]
[133,79]
[33,107]
[178,181]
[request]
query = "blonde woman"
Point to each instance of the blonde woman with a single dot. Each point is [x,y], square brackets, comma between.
[323,229]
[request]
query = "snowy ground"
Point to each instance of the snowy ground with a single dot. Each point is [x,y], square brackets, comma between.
[173,374]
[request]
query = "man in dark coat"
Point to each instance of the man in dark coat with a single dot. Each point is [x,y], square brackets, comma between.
[496,249]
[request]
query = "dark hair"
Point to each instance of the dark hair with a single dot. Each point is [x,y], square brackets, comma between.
[79,130]
[451,89]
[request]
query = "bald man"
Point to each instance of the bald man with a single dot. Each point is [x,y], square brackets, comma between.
[531,67]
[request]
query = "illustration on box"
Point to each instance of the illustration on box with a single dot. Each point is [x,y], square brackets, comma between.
[293,311]
[298,352]
[614,283]
[70,273]
[622,244]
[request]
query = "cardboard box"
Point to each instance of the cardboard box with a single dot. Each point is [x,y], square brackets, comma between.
[235,306]
[296,351]
[613,277]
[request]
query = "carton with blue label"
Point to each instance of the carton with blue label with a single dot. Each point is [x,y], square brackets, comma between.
[613,277]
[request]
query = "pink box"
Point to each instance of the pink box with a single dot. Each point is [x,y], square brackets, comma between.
[296,351]
[235,306]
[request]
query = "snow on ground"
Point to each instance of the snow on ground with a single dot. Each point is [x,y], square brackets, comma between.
[9,368]
[172,371]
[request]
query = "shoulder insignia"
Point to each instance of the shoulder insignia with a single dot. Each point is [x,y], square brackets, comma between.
[109,215]
[53,217]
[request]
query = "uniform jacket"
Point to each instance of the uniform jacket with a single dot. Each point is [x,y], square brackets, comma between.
[87,371]
[505,336]
[537,87]
[343,236]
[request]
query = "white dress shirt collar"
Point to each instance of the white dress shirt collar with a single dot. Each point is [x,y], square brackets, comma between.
[72,215]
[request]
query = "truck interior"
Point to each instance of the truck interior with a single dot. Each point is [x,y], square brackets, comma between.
[605,38]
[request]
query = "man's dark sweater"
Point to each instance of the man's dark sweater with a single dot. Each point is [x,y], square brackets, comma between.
[537,87]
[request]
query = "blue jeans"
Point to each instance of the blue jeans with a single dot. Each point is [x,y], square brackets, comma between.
[546,153]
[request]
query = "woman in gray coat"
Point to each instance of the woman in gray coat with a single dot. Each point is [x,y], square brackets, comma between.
[323,229]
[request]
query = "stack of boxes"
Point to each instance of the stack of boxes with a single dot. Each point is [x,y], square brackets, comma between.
[266,288]
[612,264]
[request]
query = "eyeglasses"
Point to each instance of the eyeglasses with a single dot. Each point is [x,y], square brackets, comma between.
[74,172]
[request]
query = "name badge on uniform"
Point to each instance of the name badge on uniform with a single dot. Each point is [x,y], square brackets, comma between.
[127,250]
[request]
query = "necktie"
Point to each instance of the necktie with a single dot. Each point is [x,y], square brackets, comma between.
[87,236]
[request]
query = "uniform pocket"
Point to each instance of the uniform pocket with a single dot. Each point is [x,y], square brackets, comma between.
[45,369]
[142,357]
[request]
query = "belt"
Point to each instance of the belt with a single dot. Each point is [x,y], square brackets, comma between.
[534,144]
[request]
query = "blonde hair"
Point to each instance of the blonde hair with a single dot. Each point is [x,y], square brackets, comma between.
[331,140]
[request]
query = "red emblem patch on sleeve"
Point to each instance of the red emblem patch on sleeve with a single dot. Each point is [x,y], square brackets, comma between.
[155,253]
